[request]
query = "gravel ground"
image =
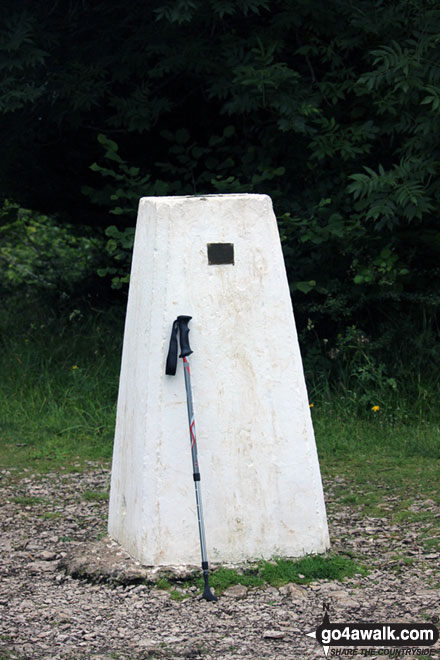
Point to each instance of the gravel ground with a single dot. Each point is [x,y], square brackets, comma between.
[47,614]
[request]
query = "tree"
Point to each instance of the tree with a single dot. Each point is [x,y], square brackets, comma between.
[330,107]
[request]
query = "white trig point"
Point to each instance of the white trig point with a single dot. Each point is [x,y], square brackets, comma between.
[217,259]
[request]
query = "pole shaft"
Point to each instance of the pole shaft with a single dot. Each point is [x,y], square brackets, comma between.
[195,462]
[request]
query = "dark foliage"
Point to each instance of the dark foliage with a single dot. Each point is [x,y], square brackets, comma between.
[332,108]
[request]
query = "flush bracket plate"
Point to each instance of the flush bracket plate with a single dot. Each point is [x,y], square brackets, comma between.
[220,253]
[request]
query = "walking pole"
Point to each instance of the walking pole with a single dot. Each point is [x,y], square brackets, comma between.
[181,323]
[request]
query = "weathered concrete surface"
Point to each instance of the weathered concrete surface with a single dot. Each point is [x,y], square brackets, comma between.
[106,561]
[261,483]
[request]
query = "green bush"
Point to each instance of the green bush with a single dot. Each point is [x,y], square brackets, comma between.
[40,256]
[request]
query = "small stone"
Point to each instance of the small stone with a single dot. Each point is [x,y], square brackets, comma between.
[42,566]
[236,591]
[31,546]
[26,604]
[159,593]
[272,592]
[148,645]
[294,591]
[331,586]
[63,615]
[344,599]
[46,555]
[273,634]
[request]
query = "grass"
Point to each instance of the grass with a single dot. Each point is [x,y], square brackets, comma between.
[27,501]
[432,544]
[283,571]
[309,569]
[400,429]
[175,594]
[50,515]
[391,451]
[95,496]
[370,479]
[59,388]
[276,573]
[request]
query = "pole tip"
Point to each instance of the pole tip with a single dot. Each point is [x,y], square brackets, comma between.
[208,595]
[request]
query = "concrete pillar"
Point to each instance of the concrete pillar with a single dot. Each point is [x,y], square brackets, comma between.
[218,259]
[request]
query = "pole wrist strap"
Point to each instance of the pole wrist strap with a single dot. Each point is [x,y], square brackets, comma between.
[171,364]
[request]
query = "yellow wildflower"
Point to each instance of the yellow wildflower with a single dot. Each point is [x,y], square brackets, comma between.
[75,366]
[311,405]
[375,408]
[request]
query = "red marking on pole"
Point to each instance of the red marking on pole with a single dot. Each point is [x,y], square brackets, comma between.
[193,435]
[186,363]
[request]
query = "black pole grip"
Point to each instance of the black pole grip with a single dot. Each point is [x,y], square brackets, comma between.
[185,348]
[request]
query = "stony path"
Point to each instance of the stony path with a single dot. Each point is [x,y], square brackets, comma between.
[45,614]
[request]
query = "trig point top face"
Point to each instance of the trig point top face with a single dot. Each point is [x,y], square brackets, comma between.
[218,259]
